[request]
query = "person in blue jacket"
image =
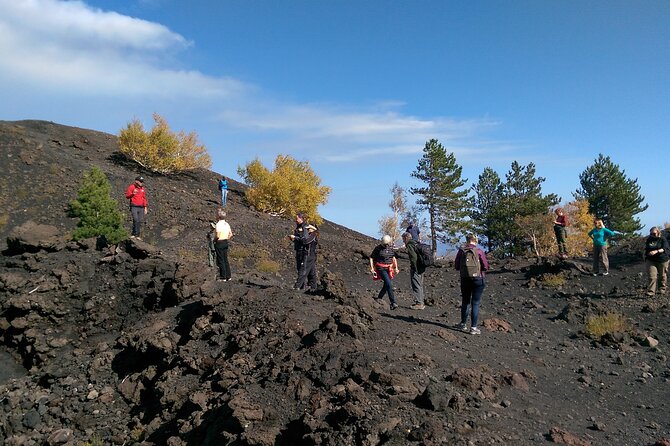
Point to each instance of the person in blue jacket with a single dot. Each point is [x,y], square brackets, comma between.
[600,234]
[223,187]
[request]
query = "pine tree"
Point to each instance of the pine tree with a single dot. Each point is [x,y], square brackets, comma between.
[447,206]
[612,196]
[489,192]
[97,211]
[523,199]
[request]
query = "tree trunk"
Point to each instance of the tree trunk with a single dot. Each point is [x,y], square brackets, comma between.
[433,234]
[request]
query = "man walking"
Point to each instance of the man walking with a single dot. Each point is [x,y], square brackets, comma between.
[136,194]
[416,270]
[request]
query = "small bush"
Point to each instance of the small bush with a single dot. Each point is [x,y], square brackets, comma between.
[598,326]
[97,211]
[267,266]
[553,280]
[238,253]
[161,150]
[291,187]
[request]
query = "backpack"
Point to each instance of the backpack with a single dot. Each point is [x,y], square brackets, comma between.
[424,254]
[470,266]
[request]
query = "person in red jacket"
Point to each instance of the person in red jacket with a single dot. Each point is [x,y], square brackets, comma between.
[138,204]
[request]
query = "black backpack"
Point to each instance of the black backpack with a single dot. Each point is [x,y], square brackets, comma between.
[470,266]
[424,254]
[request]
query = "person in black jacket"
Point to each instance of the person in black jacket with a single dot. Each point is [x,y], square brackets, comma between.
[656,257]
[384,267]
[416,270]
[299,233]
[307,274]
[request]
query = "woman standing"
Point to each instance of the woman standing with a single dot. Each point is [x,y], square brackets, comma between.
[560,223]
[307,275]
[384,266]
[223,235]
[656,259]
[600,234]
[471,262]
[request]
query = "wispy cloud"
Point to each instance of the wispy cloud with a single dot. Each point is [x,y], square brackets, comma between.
[78,49]
[71,49]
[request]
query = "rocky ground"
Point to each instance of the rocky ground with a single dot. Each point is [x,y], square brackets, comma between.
[138,344]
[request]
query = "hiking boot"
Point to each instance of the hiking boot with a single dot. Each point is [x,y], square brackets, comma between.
[418,307]
[394,306]
[461,327]
[475,331]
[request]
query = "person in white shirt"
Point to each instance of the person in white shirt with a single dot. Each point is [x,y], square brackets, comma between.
[223,235]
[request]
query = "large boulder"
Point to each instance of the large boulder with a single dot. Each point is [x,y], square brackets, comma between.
[34,237]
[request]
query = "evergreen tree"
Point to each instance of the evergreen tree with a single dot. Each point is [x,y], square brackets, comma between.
[97,211]
[447,206]
[523,198]
[489,192]
[612,196]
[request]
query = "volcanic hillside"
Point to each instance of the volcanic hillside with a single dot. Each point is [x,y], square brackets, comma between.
[139,344]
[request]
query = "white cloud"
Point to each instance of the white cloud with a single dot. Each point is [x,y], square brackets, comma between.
[73,48]
[67,49]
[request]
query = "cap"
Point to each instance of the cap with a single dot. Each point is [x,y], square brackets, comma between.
[139,179]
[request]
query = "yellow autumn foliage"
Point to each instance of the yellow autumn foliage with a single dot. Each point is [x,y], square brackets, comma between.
[292,186]
[162,150]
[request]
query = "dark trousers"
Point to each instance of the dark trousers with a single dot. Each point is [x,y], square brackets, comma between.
[561,235]
[138,216]
[388,285]
[221,247]
[471,294]
[307,273]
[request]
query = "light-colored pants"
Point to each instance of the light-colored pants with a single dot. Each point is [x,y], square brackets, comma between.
[657,273]
[417,286]
[600,258]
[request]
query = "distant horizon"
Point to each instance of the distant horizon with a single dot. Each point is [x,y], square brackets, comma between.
[357,88]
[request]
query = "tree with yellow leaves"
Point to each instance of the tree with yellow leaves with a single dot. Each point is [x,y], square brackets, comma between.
[291,187]
[162,150]
[581,221]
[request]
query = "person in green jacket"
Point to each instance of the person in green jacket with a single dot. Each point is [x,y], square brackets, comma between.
[600,234]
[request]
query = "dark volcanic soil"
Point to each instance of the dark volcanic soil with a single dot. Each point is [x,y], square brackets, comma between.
[138,344]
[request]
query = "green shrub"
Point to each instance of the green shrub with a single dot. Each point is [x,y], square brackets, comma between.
[162,150]
[238,253]
[291,187]
[598,326]
[553,280]
[97,211]
[267,266]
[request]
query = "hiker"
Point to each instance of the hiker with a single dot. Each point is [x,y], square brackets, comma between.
[416,270]
[307,274]
[560,223]
[211,244]
[299,234]
[223,235]
[384,266]
[599,234]
[223,187]
[471,262]
[656,259]
[413,230]
[136,194]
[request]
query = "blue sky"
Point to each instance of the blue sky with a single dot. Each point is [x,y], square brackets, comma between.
[357,87]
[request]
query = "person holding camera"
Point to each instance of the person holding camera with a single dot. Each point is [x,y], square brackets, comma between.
[136,194]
